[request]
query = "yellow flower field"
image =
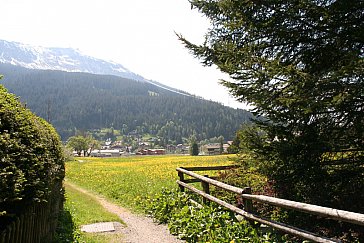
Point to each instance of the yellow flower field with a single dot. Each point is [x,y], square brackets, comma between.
[127,179]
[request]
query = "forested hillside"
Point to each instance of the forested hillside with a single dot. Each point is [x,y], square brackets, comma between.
[82,101]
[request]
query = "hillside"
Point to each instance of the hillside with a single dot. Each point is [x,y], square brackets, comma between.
[84,101]
[66,59]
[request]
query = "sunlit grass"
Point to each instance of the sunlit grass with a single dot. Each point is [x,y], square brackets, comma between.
[128,179]
[86,209]
[81,209]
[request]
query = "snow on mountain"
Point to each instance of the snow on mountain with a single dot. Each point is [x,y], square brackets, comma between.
[66,59]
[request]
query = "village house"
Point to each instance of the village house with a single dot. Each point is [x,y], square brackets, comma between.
[105,153]
[210,149]
[143,145]
[182,149]
[151,152]
[214,148]
[171,149]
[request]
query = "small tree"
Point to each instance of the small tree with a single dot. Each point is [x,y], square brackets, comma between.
[83,144]
[79,144]
[194,151]
[221,144]
[93,144]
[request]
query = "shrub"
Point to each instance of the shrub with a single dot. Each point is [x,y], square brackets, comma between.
[31,156]
[207,224]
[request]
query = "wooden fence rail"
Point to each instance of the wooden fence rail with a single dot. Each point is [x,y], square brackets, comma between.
[247,212]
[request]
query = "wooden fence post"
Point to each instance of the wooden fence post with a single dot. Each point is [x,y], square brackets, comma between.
[206,189]
[181,178]
[248,203]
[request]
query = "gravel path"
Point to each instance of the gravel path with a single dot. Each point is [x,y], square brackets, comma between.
[139,229]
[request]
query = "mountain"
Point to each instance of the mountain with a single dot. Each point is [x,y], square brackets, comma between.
[66,59]
[82,101]
[78,92]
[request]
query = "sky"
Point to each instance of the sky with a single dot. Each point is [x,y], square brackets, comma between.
[139,34]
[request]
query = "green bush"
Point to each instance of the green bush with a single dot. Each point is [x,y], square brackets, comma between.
[31,156]
[207,224]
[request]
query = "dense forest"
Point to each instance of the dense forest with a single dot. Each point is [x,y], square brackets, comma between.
[82,101]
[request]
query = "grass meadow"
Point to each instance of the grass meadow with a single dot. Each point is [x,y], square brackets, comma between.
[127,180]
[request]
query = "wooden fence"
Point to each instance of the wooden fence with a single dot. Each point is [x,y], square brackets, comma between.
[247,212]
[37,224]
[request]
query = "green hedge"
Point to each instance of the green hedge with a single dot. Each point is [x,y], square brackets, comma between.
[31,156]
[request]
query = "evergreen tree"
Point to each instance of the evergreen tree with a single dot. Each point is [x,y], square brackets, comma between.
[221,142]
[300,64]
[194,151]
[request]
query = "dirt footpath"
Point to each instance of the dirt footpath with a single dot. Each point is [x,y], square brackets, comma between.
[139,229]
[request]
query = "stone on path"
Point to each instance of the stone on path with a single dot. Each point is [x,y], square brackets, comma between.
[98,227]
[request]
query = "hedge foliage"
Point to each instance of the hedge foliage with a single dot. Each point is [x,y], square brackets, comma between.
[31,156]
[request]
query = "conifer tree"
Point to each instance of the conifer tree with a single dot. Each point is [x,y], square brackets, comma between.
[194,151]
[300,65]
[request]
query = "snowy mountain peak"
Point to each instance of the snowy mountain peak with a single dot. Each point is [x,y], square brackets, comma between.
[64,59]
